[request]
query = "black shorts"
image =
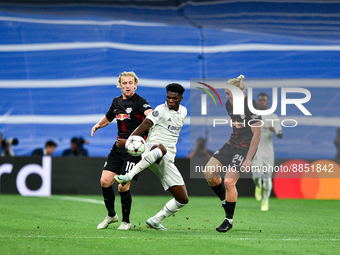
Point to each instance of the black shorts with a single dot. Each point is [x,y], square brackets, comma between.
[229,156]
[120,162]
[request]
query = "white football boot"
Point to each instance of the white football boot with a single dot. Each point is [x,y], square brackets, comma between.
[124,226]
[107,221]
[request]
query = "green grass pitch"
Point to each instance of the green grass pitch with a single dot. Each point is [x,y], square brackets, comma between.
[67,225]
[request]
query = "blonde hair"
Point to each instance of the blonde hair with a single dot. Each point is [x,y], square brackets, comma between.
[132,74]
[237,82]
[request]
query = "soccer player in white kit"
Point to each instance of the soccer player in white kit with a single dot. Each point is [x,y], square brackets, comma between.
[165,124]
[264,157]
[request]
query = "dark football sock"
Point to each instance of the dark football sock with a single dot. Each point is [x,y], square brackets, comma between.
[109,200]
[219,191]
[229,208]
[126,200]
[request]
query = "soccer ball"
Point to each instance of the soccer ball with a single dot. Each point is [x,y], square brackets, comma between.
[135,145]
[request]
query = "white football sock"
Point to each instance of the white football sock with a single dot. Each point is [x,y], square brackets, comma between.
[230,220]
[171,207]
[147,161]
[267,189]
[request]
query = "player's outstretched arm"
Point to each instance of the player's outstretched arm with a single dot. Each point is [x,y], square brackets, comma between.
[102,123]
[146,125]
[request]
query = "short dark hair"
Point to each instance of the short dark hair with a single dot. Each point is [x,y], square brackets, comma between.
[263,95]
[50,143]
[74,140]
[176,88]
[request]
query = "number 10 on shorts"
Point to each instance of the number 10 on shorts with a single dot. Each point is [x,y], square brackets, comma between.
[129,166]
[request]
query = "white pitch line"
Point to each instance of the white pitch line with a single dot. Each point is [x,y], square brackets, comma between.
[78,199]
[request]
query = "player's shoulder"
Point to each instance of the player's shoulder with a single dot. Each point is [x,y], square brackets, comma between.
[182,107]
[141,100]
[183,110]
[117,99]
[161,107]
[158,111]
[138,97]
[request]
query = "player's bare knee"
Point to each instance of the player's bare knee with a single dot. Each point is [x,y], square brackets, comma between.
[216,181]
[161,147]
[213,181]
[229,183]
[208,179]
[183,200]
[210,175]
[105,183]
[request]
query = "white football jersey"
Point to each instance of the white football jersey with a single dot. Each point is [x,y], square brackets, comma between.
[266,148]
[167,124]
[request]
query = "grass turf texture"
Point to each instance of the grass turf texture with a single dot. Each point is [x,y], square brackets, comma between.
[67,225]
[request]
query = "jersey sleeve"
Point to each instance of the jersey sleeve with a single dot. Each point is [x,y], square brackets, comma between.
[110,113]
[143,105]
[185,112]
[156,115]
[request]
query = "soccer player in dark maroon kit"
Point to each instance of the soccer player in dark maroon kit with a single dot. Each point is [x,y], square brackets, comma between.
[129,110]
[235,156]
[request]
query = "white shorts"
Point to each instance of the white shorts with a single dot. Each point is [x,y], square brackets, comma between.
[265,166]
[166,171]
